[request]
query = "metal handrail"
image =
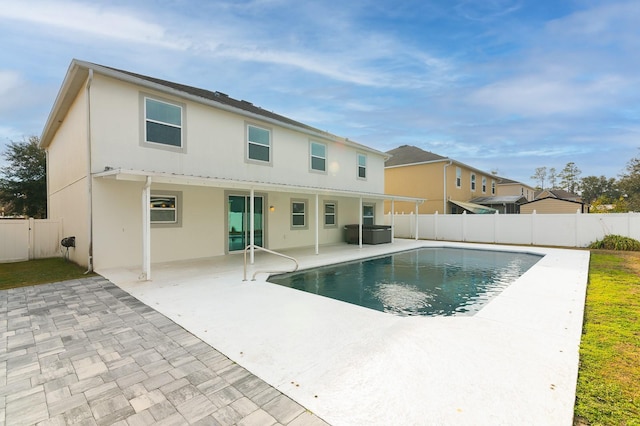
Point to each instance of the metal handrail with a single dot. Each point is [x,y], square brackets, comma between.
[253,278]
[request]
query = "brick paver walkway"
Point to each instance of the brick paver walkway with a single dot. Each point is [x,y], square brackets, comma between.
[86,352]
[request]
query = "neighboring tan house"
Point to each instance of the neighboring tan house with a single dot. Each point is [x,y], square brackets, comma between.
[508,187]
[447,185]
[144,170]
[552,201]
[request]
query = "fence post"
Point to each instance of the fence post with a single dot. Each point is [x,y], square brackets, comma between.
[575,228]
[32,238]
[495,227]
[435,226]
[464,226]
[533,227]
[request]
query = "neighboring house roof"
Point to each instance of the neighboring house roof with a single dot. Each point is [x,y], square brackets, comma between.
[501,199]
[408,154]
[554,198]
[474,208]
[506,181]
[560,194]
[80,71]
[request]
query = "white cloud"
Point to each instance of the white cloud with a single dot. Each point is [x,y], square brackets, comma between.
[92,19]
[9,80]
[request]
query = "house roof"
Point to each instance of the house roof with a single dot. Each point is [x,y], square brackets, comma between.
[473,208]
[560,194]
[408,154]
[500,199]
[80,74]
[562,200]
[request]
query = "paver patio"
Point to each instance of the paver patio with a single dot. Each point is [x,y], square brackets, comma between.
[86,352]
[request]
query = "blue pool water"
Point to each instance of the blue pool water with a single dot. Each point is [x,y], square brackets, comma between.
[427,281]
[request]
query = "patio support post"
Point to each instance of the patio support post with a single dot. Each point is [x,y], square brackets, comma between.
[393,230]
[252,224]
[417,221]
[146,230]
[317,224]
[360,225]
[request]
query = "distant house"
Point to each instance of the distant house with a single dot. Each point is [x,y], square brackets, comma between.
[448,186]
[508,187]
[560,194]
[145,170]
[555,201]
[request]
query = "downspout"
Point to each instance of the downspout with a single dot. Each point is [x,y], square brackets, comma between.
[89,176]
[444,182]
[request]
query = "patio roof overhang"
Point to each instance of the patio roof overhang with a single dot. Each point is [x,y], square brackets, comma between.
[149,177]
[192,180]
[474,208]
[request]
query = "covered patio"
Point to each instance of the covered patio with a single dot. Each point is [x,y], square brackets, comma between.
[514,362]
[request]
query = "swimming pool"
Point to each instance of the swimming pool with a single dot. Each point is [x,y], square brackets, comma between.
[426,281]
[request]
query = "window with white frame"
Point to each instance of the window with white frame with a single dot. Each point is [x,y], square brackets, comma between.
[318,156]
[330,214]
[493,187]
[473,181]
[298,214]
[164,209]
[362,166]
[258,144]
[163,123]
[458,177]
[484,184]
[368,214]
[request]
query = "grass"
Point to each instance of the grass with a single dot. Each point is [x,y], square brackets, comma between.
[608,390]
[39,271]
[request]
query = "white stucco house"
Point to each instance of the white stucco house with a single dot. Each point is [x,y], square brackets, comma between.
[142,170]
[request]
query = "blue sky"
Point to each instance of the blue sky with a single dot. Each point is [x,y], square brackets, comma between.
[500,85]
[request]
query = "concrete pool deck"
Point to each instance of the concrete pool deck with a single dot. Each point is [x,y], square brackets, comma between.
[514,362]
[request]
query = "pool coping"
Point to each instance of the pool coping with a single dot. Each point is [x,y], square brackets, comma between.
[513,362]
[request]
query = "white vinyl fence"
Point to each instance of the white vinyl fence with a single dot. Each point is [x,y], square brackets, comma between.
[25,239]
[563,230]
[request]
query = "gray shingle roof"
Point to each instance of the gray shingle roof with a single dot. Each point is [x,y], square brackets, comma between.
[408,154]
[220,97]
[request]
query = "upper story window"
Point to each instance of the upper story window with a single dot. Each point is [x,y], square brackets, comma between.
[484,184]
[493,187]
[458,177]
[258,144]
[330,214]
[318,160]
[298,214]
[473,181]
[163,123]
[362,166]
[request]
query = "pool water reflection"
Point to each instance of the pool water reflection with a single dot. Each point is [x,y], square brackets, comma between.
[426,281]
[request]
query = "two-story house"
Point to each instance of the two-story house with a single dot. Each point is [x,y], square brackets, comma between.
[447,185]
[144,170]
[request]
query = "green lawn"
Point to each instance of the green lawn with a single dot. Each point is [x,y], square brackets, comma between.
[608,391]
[39,271]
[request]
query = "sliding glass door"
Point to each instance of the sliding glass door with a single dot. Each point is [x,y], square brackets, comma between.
[239,221]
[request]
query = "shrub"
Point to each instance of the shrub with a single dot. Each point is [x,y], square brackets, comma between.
[616,242]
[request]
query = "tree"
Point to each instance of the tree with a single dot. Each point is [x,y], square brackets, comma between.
[599,188]
[23,182]
[569,177]
[540,175]
[630,184]
[553,178]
